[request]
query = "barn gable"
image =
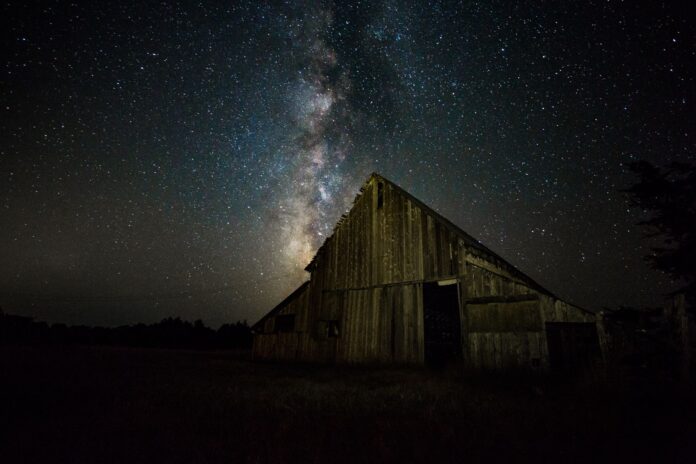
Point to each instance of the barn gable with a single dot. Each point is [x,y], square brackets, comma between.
[474,245]
[398,282]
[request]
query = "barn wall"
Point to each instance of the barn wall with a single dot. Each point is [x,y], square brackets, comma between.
[381,324]
[499,334]
[271,344]
[502,335]
[505,335]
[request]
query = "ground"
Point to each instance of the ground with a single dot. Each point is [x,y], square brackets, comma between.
[89,404]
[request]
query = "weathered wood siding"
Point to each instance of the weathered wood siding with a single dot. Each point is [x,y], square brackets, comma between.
[392,244]
[381,324]
[368,278]
[271,344]
[504,334]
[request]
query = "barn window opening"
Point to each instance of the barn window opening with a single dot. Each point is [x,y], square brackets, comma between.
[332,329]
[285,323]
[380,195]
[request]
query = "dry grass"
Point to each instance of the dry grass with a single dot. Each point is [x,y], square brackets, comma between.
[129,405]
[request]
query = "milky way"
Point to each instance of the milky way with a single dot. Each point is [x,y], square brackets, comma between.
[161,159]
[315,159]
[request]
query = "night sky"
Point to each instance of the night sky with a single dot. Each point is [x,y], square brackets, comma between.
[166,159]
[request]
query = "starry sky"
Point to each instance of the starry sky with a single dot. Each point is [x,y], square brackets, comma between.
[188,158]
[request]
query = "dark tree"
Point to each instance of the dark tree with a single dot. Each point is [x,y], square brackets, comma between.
[668,195]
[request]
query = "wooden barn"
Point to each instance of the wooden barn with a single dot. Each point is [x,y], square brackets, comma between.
[398,283]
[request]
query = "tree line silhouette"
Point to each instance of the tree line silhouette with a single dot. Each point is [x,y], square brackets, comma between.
[168,333]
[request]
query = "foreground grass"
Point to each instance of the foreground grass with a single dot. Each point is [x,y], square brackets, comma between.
[77,404]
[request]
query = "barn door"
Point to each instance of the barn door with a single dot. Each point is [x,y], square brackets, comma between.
[442,328]
[571,345]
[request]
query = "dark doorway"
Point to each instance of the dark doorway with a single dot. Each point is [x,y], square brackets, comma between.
[442,325]
[572,345]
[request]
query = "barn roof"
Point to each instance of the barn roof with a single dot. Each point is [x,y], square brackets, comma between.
[468,239]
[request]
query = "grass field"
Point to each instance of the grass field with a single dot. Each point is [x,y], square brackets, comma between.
[101,405]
